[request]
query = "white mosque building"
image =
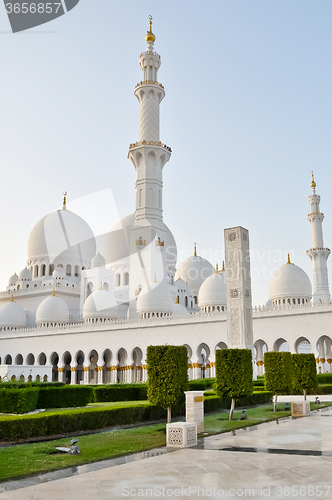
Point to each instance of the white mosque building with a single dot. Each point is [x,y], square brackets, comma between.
[81,317]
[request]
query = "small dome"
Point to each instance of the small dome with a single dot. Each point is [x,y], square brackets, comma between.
[12,315]
[59,272]
[99,305]
[155,299]
[213,291]
[194,271]
[290,282]
[179,310]
[13,280]
[98,261]
[25,275]
[180,284]
[52,310]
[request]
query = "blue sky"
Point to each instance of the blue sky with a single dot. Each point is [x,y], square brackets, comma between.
[247,114]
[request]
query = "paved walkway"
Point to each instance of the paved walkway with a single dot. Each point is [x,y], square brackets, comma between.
[288,459]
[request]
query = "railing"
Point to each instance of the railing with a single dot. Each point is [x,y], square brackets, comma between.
[149,143]
[149,82]
[41,288]
[149,53]
[317,248]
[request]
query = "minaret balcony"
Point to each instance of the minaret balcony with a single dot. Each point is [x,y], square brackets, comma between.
[149,82]
[317,248]
[149,143]
[150,53]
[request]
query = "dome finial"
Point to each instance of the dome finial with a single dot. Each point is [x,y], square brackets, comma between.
[176,300]
[288,260]
[53,294]
[217,269]
[12,298]
[223,265]
[195,250]
[150,36]
[101,285]
[313,183]
[64,203]
[155,278]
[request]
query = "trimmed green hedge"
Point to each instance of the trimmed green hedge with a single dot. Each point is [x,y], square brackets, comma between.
[25,385]
[201,384]
[18,400]
[214,403]
[324,378]
[120,392]
[278,372]
[64,397]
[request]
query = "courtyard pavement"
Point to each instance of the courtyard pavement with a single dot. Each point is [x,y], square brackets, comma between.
[284,459]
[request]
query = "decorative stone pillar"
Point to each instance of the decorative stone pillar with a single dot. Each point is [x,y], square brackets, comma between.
[195,409]
[129,374]
[62,374]
[181,434]
[190,371]
[145,373]
[100,375]
[212,369]
[238,286]
[260,365]
[197,371]
[113,372]
[86,375]
[73,375]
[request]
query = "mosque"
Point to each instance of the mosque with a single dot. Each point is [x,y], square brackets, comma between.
[81,317]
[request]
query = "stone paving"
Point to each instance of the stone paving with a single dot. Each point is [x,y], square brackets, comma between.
[288,459]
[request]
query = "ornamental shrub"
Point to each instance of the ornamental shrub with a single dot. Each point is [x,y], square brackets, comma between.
[233,374]
[167,375]
[18,400]
[120,392]
[64,397]
[278,373]
[304,372]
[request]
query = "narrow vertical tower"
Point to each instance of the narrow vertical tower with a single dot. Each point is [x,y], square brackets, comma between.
[149,155]
[318,254]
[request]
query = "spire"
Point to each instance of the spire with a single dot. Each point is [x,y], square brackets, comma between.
[288,261]
[313,183]
[195,250]
[150,36]
[217,269]
[155,279]
[223,265]
[53,294]
[12,298]
[64,203]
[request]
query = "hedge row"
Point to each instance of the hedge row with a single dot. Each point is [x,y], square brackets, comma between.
[324,378]
[18,400]
[63,422]
[120,392]
[64,397]
[201,384]
[25,385]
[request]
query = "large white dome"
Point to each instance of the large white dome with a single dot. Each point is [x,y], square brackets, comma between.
[213,291]
[118,245]
[155,299]
[291,283]
[100,305]
[12,315]
[194,271]
[63,235]
[52,310]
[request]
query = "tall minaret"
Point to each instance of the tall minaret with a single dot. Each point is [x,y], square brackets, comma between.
[318,254]
[149,155]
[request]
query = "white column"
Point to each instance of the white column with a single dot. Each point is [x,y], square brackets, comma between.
[73,375]
[86,375]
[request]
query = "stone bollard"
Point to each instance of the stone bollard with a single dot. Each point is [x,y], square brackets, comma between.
[181,434]
[300,409]
[195,409]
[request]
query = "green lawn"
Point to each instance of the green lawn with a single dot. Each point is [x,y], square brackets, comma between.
[26,460]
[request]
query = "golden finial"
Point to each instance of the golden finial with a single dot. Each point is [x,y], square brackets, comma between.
[64,203]
[223,265]
[12,298]
[195,250]
[150,36]
[155,278]
[176,300]
[101,285]
[288,261]
[53,294]
[217,269]
[313,183]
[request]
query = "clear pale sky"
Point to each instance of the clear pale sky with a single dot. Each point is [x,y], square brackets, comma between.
[247,114]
